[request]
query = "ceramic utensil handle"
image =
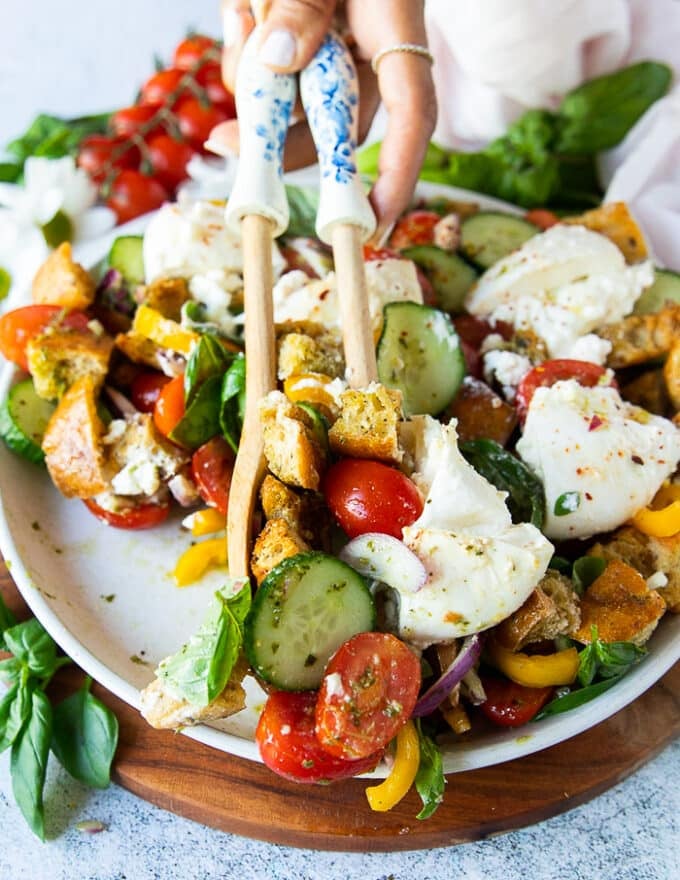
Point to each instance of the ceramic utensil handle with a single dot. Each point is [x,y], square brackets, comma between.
[264,101]
[329,91]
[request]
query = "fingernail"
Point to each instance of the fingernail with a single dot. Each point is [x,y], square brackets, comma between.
[279,49]
[231,27]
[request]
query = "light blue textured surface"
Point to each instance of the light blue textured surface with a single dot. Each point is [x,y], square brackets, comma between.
[629,833]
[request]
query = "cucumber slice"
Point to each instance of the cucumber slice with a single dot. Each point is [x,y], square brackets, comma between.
[305,608]
[23,419]
[419,353]
[319,423]
[450,276]
[127,257]
[488,236]
[666,287]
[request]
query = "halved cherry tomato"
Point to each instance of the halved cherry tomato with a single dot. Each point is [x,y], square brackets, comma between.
[288,744]
[169,407]
[474,330]
[157,89]
[128,120]
[378,688]
[212,466]
[145,516]
[511,705]
[542,218]
[546,374]
[99,155]
[20,325]
[197,120]
[416,227]
[368,496]
[209,77]
[192,50]
[146,388]
[133,193]
[169,159]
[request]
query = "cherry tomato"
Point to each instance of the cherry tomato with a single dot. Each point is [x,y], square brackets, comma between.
[21,325]
[145,516]
[379,683]
[209,76]
[100,155]
[472,332]
[416,227]
[368,496]
[197,120]
[194,49]
[169,407]
[157,89]
[542,218]
[288,744]
[212,466]
[384,253]
[509,704]
[133,193]
[127,121]
[146,388]
[546,374]
[169,159]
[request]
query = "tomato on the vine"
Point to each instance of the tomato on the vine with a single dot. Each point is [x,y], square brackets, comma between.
[212,466]
[546,374]
[146,388]
[169,407]
[144,516]
[196,120]
[19,326]
[157,89]
[192,50]
[169,159]
[288,744]
[509,704]
[133,193]
[369,496]
[99,155]
[129,120]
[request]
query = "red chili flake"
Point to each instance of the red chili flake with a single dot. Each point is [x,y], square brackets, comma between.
[636,459]
[595,423]
[589,497]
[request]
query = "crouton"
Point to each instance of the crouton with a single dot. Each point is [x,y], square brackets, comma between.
[302,353]
[141,350]
[367,426]
[60,281]
[73,443]
[640,338]
[551,610]
[648,390]
[304,512]
[648,555]
[139,457]
[276,542]
[615,221]
[60,356]
[164,711]
[620,605]
[294,452]
[481,413]
[671,375]
[165,295]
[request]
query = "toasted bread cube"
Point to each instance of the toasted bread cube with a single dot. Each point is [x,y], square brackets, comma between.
[277,541]
[165,295]
[648,390]
[614,220]
[305,512]
[60,281]
[73,443]
[293,450]
[140,459]
[164,711]
[303,353]
[620,605]
[59,357]
[481,413]
[671,375]
[639,338]
[141,350]
[367,426]
[551,610]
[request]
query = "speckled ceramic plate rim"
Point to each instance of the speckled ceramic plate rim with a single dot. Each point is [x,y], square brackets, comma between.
[493,749]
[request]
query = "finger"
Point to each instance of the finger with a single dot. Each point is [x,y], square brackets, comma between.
[293,31]
[224,139]
[237,24]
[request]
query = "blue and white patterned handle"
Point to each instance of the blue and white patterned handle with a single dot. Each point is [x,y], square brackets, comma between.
[264,101]
[329,92]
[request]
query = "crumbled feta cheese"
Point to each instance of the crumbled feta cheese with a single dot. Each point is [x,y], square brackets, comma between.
[657,581]
[334,685]
[507,368]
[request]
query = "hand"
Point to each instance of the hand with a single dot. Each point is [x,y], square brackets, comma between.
[291,34]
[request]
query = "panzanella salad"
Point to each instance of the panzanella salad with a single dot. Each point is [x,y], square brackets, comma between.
[489,534]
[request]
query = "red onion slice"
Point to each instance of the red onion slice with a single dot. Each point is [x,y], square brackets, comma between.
[385,558]
[437,693]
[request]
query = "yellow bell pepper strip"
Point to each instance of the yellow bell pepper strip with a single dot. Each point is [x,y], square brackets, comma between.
[309,388]
[661,522]
[537,670]
[205,522]
[666,494]
[152,325]
[406,761]
[195,562]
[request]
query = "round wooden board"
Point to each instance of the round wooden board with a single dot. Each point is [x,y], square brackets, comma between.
[243,797]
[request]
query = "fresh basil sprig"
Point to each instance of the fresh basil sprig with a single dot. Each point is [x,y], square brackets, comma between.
[430,779]
[607,659]
[82,731]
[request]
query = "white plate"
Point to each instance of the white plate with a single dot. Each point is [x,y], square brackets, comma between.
[108,599]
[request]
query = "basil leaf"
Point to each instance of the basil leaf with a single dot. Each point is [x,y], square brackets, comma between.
[303,204]
[526,500]
[430,779]
[14,710]
[54,137]
[616,658]
[10,669]
[9,172]
[28,762]
[201,420]
[31,644]
[199,671]
[233,401]
[587,665]
[576,698]
[598,114]
[208,358]
[84,737]
[559,563]
[585,570]
[7,620]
